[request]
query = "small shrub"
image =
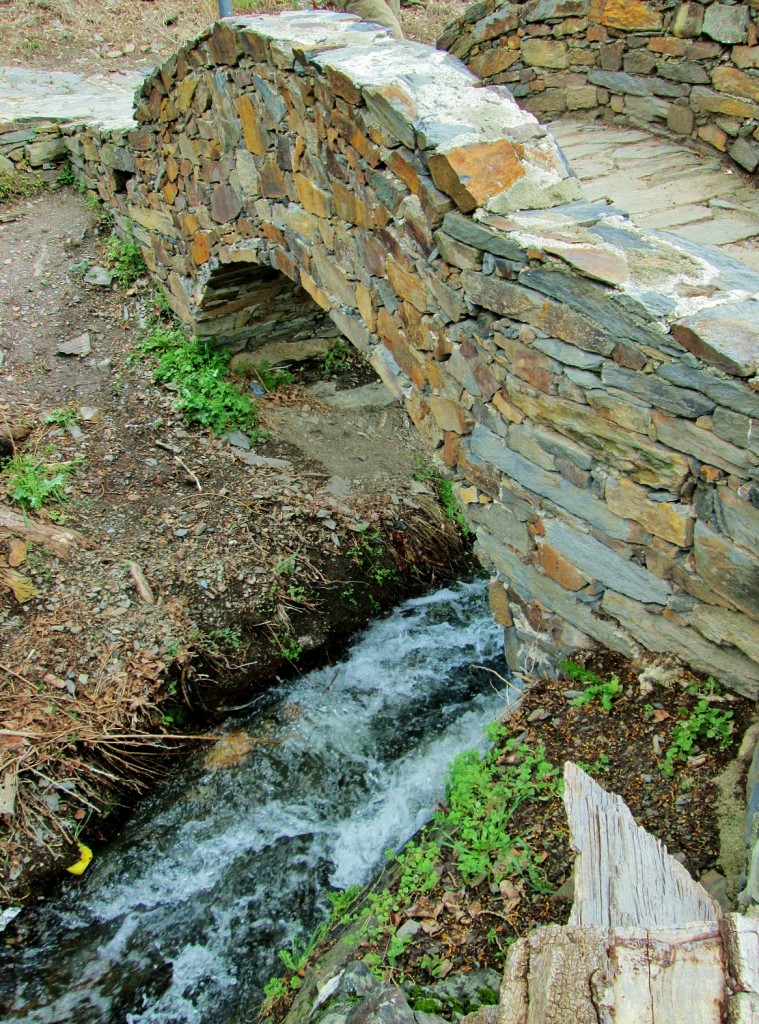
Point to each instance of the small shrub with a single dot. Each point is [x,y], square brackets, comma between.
[62,417]
[32,482]
[124,258]
[604,690]
[703,725]
[67,176]
[19,185]
[338,359]
[271,379]
[198,373]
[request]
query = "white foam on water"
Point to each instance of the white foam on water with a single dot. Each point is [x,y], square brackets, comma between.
[180,919]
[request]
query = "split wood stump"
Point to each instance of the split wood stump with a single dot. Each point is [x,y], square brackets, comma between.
[645,944]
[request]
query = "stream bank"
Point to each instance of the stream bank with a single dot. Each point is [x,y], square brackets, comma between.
[262,554]
[495,862]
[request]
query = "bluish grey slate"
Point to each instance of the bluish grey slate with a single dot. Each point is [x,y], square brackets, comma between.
[721,389]
[680,401]
[550,593]
[593,301]
[625,240]
[569,354]
[626,85]
[580,212]
[487,448]
[597,562]
[732,273]
[466,230]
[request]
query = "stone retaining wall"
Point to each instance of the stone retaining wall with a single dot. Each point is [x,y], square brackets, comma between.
[591,387]
[689,68]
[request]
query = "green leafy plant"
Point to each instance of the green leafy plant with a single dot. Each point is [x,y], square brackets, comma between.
[271,379]
[124,257]
[224,636]
[426,472]
[103,218]
[482,796]
[62,417]
[704,724]
[296,957]
[369,552]
[197,374]
[33,482]
[287,646]
[601,765]
[67,176]
[605,691]
[337,359]
[286,566]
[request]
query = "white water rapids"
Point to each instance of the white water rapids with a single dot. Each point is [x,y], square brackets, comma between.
[178,921]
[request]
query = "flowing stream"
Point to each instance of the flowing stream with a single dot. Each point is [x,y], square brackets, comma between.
[179,920]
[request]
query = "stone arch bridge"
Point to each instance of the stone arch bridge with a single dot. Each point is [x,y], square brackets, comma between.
[591,386]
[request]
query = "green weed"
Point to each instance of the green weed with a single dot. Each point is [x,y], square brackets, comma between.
[704,724]
[62,417]
[197,374]
[287,646]
[338,359]
[425,472]
[67,176]
[271,379]
[604,690]
[370,554]
[104,222]
[125,260]
[482,796]
[19,185]
[296,957]
[33,482]
[286,566]
[597,767]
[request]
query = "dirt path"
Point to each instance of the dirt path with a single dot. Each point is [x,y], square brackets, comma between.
[256,552]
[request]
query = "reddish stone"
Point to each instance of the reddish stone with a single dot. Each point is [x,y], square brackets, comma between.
[474,173]
[226,204]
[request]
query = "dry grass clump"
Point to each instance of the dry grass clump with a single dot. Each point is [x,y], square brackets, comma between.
[126,34]
[66,34]
[425,21]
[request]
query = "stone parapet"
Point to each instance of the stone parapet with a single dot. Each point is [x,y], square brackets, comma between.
[690,69]
[591,388]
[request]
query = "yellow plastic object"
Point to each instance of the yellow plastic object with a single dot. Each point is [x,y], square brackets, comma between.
[83,863]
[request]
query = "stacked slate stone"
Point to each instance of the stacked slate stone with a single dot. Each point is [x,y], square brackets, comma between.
[592,388]
[690,67]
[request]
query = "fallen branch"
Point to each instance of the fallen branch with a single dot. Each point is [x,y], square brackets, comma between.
[57,539]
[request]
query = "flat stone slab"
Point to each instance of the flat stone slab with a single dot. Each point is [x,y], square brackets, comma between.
[724,336]
[107,100]
[663,186]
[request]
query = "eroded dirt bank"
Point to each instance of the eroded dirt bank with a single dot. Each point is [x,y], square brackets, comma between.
[261,554]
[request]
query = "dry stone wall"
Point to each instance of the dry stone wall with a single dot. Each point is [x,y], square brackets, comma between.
[691,69]
[591,388]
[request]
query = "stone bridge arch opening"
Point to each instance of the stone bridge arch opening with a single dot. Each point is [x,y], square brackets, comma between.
[246,305]
[587,384]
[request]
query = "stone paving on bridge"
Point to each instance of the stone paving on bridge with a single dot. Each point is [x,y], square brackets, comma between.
[56,95]
[665,186]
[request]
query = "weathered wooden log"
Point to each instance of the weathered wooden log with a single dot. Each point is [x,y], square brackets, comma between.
[58,539]
[645,943]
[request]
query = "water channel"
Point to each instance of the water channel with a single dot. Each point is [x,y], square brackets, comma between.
[179,920]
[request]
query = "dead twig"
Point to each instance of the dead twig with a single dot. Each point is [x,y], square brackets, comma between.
[187,470]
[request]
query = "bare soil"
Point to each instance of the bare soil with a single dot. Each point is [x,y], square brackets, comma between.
[255,568]
[127,35]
